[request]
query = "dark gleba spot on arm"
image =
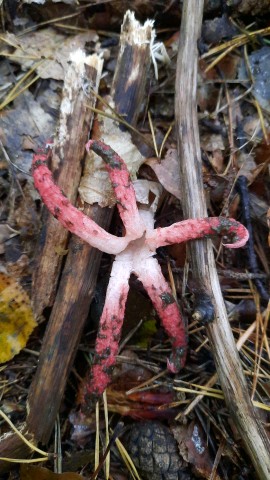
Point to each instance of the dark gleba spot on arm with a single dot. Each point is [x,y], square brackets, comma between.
[167,299]
[56,212]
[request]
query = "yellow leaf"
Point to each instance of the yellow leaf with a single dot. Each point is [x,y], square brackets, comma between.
[16,318]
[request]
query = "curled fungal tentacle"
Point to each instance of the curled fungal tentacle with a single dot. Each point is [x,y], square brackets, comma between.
[198,228]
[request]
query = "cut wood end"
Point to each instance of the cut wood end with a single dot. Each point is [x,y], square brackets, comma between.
[78,56]
[135,33]
[76,70]
[76,81]
[95,61]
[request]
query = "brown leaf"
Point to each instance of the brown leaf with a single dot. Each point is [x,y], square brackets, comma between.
[50,45]
[6,232]
[30,472]
[193,448]
[167,171]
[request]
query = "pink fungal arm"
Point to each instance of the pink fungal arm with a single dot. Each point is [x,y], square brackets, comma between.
[123,188]
[68,215]
[198,228]
[150,274]
[108,337]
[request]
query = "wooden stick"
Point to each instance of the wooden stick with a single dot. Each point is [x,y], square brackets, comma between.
[71,152]
[68,152]
[201,256]
[134,57]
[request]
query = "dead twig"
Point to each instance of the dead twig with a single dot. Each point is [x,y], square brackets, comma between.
[201,254]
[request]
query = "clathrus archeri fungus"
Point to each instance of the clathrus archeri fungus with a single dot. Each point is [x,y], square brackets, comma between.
[135,253]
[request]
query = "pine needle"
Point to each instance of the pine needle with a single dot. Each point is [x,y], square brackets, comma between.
[218,396]
[107,436]
[24,460]
[152,132]
[262,122]
[15,91]
[116,116]
[165,139]
[227,47]
[29,444]
[127,460]
[97,438]
[237,41]
[119,119]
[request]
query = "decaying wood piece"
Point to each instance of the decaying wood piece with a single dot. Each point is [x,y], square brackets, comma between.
[67,155]
[201,257]
[75,121]
[78,279]
[132,67]
[82,71]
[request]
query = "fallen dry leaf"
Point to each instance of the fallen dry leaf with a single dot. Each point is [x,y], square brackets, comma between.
[143,188]
[6,232]
[51,46]
[193,447]
[95,186]
[167,171]
[14,128]
[31,472]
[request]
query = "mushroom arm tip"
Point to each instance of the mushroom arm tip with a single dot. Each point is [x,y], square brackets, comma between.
[199,228]
[150,274]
